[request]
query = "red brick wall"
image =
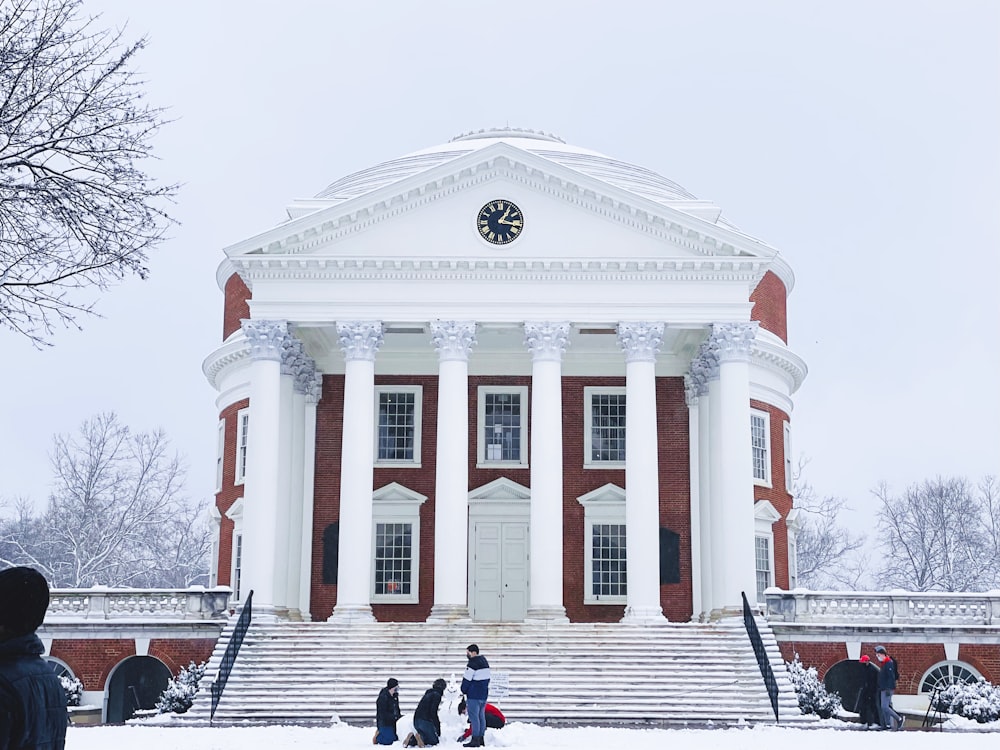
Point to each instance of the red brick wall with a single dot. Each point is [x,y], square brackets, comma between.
[92,660]
[236,307]
[672,425]
[769,305]
[230,492]
[776,494]
[984,657]
[819,655]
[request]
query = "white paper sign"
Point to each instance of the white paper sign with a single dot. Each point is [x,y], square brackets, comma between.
[499,684]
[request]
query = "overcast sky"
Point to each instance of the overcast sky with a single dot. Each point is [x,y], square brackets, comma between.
[861,139]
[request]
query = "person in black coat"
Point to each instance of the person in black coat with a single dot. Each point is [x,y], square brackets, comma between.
[868,712]
[387,712]
[425,719]
[32,699]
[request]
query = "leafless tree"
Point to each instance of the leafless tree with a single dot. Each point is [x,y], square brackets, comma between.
[829,555]
[117,515]
[939,536]
[77,209]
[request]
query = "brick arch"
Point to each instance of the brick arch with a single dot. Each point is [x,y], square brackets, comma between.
[177,653]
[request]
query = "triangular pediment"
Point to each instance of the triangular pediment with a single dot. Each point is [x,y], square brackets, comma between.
[764,511]
[394,492]
[500,489]
[608,494]
[431,214]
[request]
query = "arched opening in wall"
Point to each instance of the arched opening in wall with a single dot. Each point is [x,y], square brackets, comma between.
[61,668]
[135,684]
[946,673]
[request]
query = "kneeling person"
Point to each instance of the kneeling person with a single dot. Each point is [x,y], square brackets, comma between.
[494,718]
[425,719]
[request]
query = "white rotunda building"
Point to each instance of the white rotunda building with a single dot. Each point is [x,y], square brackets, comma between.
[504,379]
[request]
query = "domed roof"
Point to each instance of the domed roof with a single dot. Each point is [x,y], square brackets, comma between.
[635,179]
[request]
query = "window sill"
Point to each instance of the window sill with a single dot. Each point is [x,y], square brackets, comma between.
[396,465]
[501,465]
[605,465]
[614,600]
[409,599]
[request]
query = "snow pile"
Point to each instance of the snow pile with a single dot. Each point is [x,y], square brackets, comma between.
[179,693]
[979,701]
[812,695]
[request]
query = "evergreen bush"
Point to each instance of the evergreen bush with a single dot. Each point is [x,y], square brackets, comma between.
[73,688]
[179,694]
[978,700]
[812,695]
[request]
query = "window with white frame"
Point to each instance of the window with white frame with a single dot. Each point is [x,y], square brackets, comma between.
[235,514]
[762,558]
[215,521]
[946,673]
[604,427]
[502,420]
[397,431]
[605,545]
[787,448]
[242,438]
[396,549]
[220,452]
[760,437]
[765,516]
[793,524]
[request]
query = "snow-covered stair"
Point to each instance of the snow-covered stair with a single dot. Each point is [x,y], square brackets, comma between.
[309,673]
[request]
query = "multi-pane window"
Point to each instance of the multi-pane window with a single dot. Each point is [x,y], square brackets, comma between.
[787,448]
[762,556]
[941,676]
[760,444]
[237,565]
[393,559]
[608,572]
[503,425]
[242,438]
[605,426]
[397,434]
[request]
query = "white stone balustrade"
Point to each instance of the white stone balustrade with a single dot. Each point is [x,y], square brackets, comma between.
[102,603]
[883,607]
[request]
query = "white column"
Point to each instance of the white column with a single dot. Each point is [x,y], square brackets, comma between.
[641,342]
[735,490]
[360,341]
[262,487]
[301,368]
[314,392]
[705,406]
[547,342]
[286,498]
[453,341]
[691,398]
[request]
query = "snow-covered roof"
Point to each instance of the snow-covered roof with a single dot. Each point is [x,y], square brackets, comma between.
[635,179]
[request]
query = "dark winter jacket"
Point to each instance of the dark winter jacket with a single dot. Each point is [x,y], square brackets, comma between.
[868,711]
[888,674]
[387,709]
[427,709]
[476,681]
[32,700]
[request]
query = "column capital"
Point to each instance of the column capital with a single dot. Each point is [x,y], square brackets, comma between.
[453,339]
[359,339]
[734,340]
[266,337]
[304,373]
[293,356]
[691,390]
[640,340]
[546,341]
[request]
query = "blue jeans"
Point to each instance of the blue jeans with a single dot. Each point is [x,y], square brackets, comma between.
[387,735]
[426,730]
[890,719]
[477,716]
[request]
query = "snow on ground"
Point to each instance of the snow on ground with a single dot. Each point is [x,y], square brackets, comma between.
[520,736]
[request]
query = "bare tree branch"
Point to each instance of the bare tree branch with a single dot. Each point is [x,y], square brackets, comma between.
[77,208]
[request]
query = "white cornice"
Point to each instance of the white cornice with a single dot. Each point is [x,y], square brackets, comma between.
[235,350]
[781,359]
[728,268]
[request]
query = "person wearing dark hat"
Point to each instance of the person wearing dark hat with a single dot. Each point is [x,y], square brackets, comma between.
[476,689]
[387,713]
[888,674]
[32,700]
[426,722]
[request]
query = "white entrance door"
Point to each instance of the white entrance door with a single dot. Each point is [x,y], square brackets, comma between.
[499,558]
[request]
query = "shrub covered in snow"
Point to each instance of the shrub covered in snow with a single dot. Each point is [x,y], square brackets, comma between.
[73,688]
[812,695]
[979,701]
[179,693]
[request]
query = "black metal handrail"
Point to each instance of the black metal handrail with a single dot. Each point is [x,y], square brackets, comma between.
[232,649]
[761,653]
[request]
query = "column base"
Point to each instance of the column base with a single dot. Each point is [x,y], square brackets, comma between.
[352,614]
[268,613]
[643,616]
[448,613]
[546,613]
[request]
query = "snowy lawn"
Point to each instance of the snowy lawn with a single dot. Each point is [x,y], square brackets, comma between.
[532,737]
